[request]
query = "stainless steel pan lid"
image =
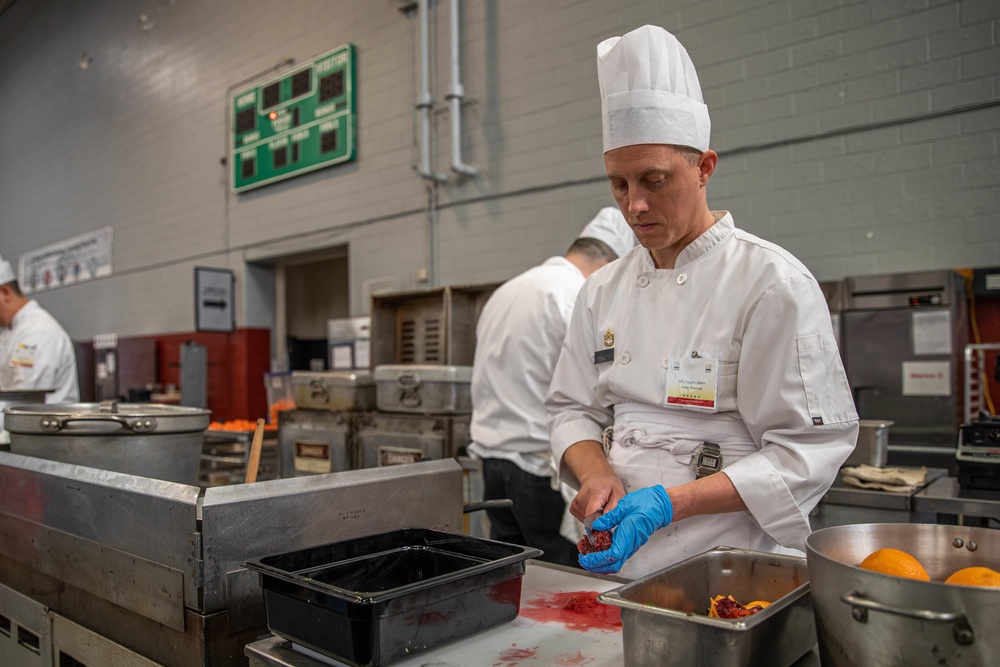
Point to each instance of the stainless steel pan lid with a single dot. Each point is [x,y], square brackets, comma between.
[104,418]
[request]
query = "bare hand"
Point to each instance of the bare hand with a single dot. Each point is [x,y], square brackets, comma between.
[600,488]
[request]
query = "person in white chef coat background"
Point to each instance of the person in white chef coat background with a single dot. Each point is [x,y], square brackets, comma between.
[35,351]
[710,349]
[518,338]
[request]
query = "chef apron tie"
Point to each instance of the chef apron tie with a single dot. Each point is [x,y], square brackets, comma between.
[658,445]
[638,426]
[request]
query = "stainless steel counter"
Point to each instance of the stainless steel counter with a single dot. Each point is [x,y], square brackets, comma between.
[945,497]
[523,641]
[842,494]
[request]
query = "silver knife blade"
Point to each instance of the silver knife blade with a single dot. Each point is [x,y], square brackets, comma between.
[588,526]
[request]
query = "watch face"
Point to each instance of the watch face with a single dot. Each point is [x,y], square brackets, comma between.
[708,461]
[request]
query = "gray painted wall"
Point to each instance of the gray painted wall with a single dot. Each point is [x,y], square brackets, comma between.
[862,136]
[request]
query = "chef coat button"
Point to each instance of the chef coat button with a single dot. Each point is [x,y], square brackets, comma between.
[665,362]
[625,358]
[681,279]
[643,281]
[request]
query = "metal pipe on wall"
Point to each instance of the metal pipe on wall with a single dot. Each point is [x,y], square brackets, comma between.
[456,93]
[424,101]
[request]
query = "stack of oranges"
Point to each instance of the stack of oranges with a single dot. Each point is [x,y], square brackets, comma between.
[901,564]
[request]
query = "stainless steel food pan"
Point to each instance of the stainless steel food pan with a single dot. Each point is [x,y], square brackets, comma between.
[665,621]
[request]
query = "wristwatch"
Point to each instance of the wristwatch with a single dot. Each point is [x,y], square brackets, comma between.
[709,460]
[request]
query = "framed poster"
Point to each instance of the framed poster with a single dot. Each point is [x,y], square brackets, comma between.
[213,299]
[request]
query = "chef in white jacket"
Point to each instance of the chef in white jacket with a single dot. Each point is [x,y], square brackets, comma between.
[518,337]
[35,352]
[711,350]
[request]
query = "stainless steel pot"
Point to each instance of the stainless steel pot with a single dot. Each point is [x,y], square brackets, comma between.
[14,396]
[868,618]
[144,439]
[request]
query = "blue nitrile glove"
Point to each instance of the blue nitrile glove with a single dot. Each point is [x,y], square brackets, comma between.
[638,515]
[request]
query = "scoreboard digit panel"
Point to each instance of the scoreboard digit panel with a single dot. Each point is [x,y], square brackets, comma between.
[295,123]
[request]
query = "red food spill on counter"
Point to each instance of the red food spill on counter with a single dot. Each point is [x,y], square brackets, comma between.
[577,610]
[512,656]
[573,660]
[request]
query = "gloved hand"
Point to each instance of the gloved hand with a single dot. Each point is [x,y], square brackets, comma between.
[637,516]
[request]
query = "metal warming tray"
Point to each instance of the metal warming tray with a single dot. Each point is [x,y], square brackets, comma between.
[423,389]
[376,599]
[665,622]
[334,390]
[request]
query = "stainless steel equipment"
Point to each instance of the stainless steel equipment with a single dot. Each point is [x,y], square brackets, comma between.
[434,326]
[194,375]
[156,567]
[873,444]
[903,337]
[424,389]
[315,442]
[349,343]
[869,618]
[333,390]
[386,439]
[14,397]
[225,455]
[26,631]
[664,619]
[157,441]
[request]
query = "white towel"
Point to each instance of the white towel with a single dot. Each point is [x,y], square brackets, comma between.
[895,480]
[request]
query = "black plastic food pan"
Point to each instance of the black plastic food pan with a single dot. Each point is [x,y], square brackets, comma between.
[376,599]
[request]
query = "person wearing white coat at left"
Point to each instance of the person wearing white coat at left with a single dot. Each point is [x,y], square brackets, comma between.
[518,338]
[712,350]
[35,351]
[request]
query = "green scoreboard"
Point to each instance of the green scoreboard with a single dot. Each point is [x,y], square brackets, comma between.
[295,123]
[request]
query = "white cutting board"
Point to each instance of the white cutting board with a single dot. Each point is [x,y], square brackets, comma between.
[527,643]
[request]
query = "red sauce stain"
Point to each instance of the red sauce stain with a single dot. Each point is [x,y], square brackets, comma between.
[432,618]
[578,610]
[512,656]
[572,660]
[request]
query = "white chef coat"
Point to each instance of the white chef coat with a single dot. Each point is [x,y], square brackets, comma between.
[784,417]
[518,338]
[36,353]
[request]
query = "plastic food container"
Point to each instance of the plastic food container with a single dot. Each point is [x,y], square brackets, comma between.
[664,619]
[376,599]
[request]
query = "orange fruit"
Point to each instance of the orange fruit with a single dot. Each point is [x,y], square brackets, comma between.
[758,603]
[895,562]
[975,576]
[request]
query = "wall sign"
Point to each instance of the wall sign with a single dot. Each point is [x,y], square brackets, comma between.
[295,123]
[213,294]
[75,260]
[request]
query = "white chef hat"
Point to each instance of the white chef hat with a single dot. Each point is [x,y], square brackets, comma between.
[609,226]
[6,272]
[650,92]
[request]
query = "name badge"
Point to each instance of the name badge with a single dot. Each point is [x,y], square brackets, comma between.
[23,356]
[693,383]
[604,356]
